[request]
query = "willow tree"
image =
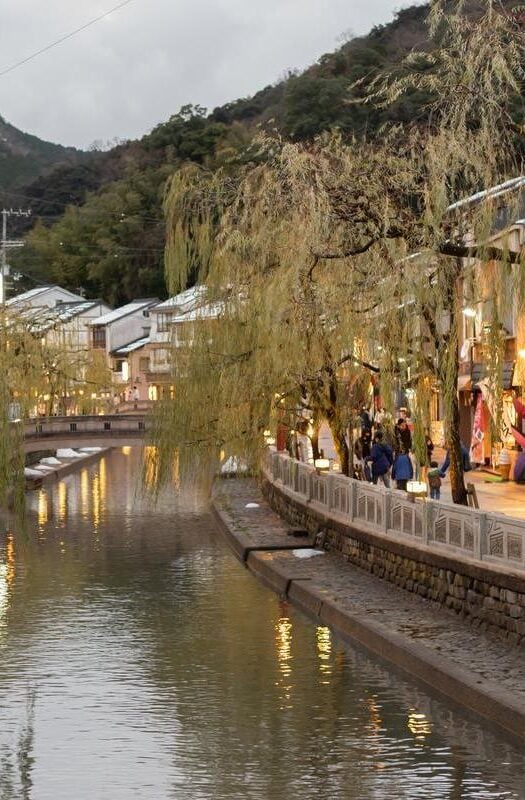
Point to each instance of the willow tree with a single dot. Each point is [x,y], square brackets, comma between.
[310,246]
[473,140]
[37,369]
[294,250]
[21,369]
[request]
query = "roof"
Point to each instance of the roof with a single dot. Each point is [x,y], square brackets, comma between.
[32,294]
[46,318]
[184,301]
[25,296]
[208,311]
[489,194]
[123,311]
[131,347]
[67,311]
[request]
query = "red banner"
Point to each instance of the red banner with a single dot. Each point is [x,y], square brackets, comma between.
[478,433]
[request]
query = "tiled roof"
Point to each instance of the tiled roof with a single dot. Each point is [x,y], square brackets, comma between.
[184,301]
[123,311]
[31,294]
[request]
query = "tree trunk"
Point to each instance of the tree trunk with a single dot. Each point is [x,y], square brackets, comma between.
[453,442]
[341,445]
[449,373]
[316,424]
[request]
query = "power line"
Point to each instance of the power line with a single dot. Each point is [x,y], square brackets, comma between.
[80,205]
[8,244]
[64,38]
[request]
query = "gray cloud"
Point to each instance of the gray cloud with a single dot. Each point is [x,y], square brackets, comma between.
[136,68]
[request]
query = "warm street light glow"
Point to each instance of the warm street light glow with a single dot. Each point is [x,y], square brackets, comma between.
[416,487]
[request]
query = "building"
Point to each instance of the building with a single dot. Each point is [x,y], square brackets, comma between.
[169,326]
[491,343]
[117,330]
[67,325]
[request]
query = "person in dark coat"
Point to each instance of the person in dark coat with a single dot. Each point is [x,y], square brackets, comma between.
[429,444]
[402,471]
[365,441]
[366,422]
[403,437]
[381,458]
[465,457]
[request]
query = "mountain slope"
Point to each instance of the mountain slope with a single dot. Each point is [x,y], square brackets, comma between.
[23,157]
[99,221]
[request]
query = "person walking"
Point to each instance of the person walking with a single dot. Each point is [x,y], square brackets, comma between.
[402,471]
[434,481]
[403,437]
[429,444]
[465,459]
[381,458]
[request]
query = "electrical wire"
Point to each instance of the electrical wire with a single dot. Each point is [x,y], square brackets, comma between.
[62,205]
[63,38]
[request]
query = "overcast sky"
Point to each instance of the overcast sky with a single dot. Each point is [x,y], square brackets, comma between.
[132,70]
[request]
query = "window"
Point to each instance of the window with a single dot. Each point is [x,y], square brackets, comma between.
[160,356]
[99,336]
[143,363]
[163,322]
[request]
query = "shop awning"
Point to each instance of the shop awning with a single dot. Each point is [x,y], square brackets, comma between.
[480,371]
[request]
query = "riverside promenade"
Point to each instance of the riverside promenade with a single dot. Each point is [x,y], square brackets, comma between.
[501,497]
[474,668]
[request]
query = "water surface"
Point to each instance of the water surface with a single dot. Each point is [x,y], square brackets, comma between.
[139,659]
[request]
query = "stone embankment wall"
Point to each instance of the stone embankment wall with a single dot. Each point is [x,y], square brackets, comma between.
[492,598]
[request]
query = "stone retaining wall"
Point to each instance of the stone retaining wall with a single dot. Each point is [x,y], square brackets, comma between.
[489,597]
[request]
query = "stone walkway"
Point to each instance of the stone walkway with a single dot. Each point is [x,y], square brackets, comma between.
[434,633]
[502,498]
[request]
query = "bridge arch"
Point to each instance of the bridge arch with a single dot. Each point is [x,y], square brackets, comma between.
[112,430]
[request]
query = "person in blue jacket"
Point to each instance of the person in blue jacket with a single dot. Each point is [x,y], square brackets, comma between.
[381,458]
[465,457]
[402,471]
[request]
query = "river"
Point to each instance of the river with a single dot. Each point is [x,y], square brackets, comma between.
[139,659]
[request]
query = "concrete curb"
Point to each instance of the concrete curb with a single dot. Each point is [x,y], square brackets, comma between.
[489,701]
[67,468]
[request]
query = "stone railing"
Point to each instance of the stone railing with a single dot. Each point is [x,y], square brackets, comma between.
[441,527]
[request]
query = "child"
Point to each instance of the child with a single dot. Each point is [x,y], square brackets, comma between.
[434,481]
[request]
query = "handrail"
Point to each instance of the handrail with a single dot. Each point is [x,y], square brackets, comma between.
[444,527]
[42,427]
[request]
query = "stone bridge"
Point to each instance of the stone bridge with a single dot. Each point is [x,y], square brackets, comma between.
[112,430]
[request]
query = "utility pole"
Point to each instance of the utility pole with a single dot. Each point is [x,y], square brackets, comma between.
[6,245]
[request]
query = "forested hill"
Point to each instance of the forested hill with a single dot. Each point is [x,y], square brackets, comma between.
[99,223]
[24,157]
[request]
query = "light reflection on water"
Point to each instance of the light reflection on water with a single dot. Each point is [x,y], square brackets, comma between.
[139,659]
